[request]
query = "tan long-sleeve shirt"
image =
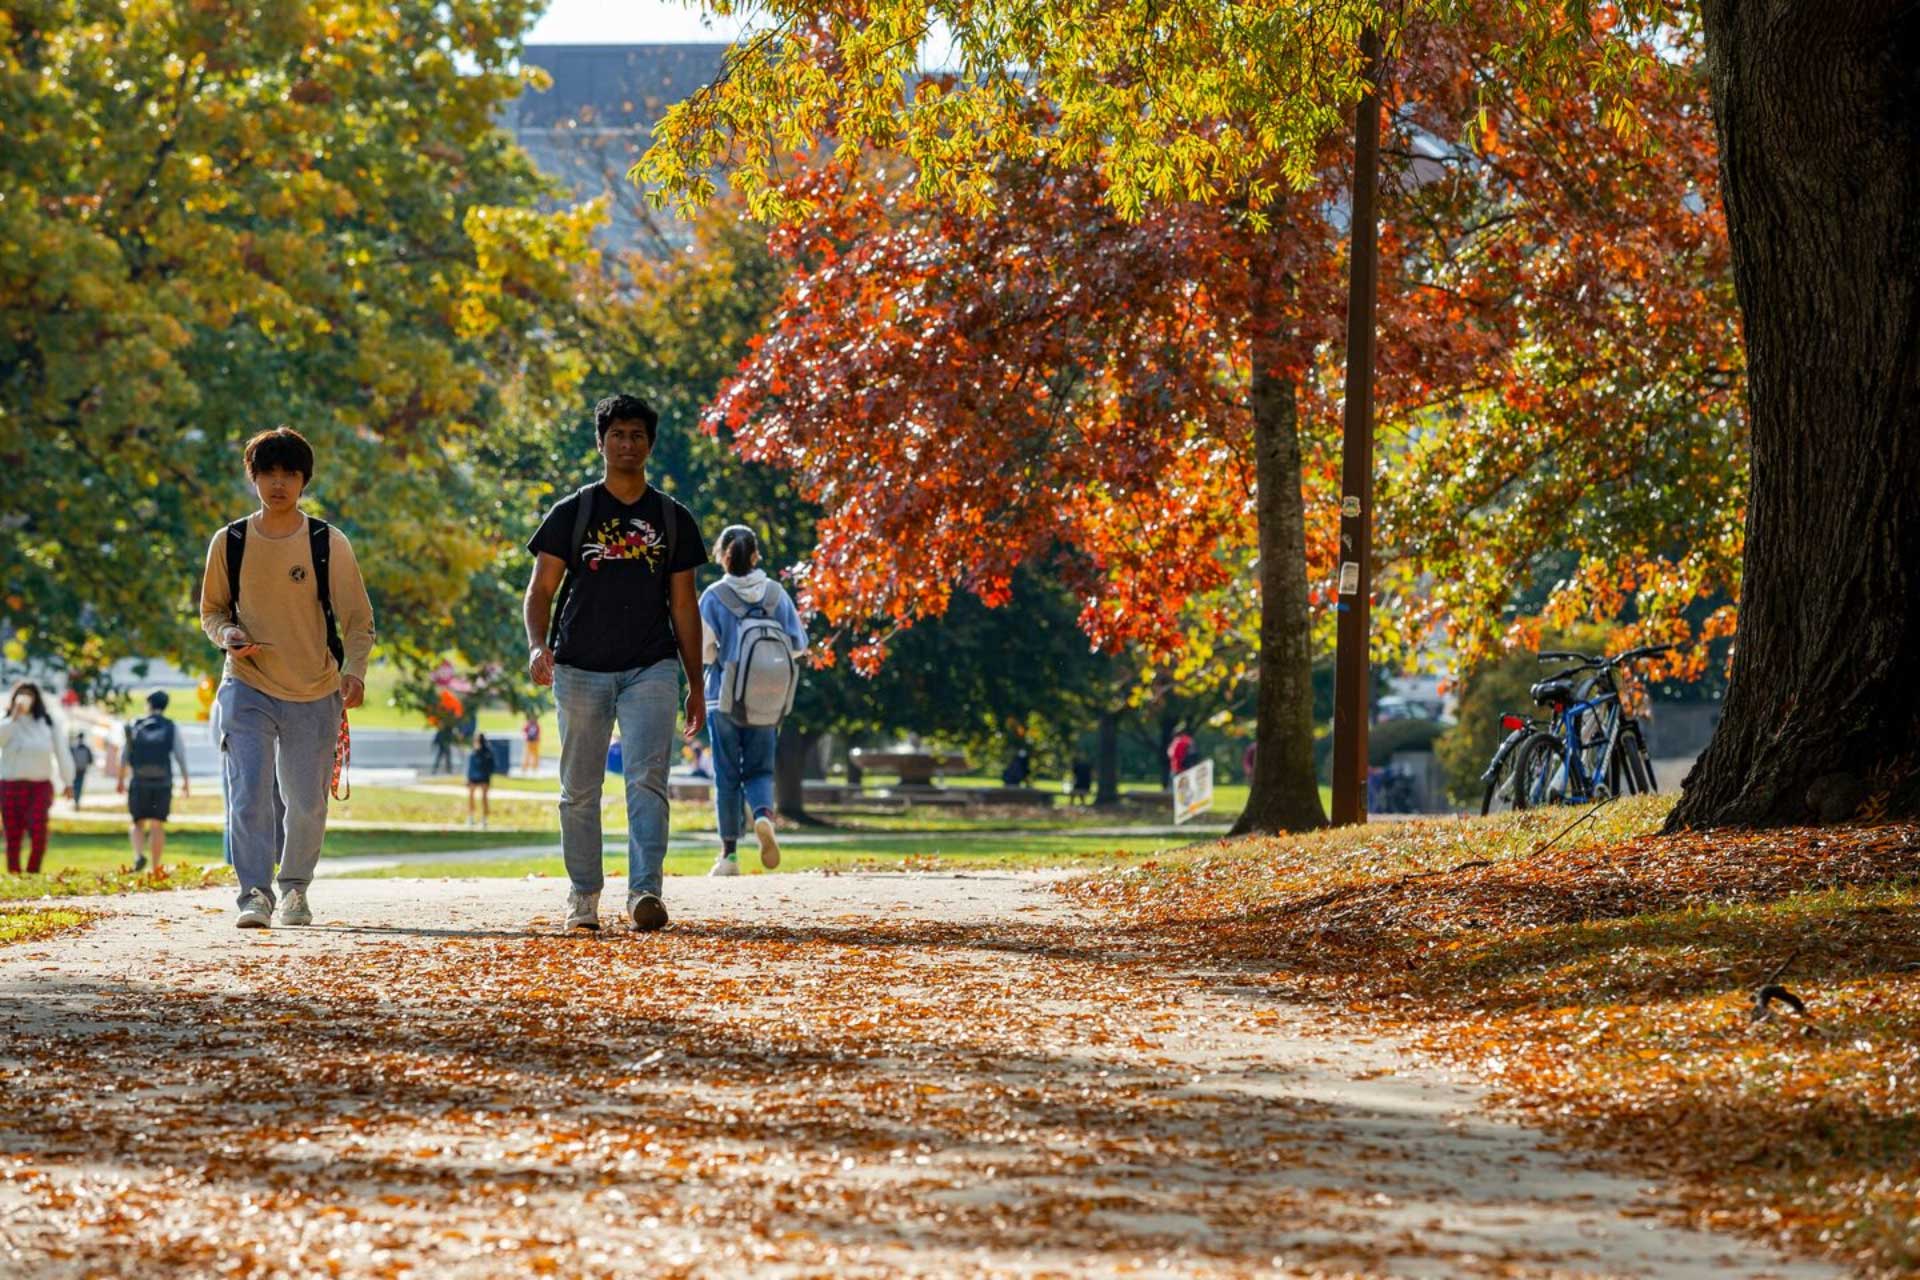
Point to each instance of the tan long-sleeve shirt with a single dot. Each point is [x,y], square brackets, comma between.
[280,608]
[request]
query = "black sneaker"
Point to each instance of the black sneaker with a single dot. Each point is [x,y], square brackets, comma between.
[647,911]
[140,863]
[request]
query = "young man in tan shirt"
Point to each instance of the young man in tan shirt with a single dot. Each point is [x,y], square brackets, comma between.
[296,659]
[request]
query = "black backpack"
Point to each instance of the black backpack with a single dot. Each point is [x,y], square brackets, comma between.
[320,544]
[582,517]
[150,748]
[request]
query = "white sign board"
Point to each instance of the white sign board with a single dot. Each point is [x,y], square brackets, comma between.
[1193,792]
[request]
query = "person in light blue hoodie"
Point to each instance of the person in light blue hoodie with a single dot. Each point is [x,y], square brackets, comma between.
[742,754]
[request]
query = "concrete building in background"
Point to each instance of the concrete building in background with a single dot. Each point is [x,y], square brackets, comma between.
[594,122]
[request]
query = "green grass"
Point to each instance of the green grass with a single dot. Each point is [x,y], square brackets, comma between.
[904,853]
[25,926]
[378,712]
[89,849]
[525,810]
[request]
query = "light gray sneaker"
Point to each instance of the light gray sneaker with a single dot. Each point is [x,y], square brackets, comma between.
[583,910]
[294,908]
[769,843]
[256,912]
[646,911]
[725,865]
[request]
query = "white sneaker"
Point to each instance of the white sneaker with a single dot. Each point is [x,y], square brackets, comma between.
[769,844]
[294,909]
[646,911]
[256,912]
[725,865]
[583,910]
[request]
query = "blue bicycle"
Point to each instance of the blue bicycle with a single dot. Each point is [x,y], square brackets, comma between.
[1588,749]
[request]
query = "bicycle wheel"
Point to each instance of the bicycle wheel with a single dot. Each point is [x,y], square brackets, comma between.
[1622,777]
[1629,773]
[1530,772]
[1499,795]
[1638,760]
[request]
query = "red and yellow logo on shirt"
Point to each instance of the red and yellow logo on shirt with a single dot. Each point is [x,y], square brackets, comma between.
[630,538]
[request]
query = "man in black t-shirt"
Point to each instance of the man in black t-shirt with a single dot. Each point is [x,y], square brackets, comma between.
[621,555]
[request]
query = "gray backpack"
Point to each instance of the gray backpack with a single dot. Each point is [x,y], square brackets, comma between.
[758,682]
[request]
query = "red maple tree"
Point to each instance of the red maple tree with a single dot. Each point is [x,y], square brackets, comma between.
[964,393]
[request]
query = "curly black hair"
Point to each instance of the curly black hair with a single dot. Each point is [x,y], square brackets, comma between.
[624,408]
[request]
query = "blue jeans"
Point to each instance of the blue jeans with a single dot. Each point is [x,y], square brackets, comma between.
[278,765]
[742,770]
[644,703]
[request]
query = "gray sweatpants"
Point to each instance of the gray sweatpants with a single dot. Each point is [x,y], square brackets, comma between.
[265,739]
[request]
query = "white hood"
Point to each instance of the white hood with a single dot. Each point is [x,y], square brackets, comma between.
[750,587]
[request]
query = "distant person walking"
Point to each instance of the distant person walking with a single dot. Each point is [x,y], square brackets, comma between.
[754,640]
[480,778]
[620,556]
[530,735]
[1082,780]
[283,597]
[1018,769]
[1179,753]
[443,749]
[82,763]
[153,748]
[33,755]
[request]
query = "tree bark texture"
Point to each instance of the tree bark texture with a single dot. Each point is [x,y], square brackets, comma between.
[1285,795]
[1817,108]
[1108,792]
[789,773]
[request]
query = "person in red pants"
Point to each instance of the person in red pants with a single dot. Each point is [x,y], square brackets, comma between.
[33,753]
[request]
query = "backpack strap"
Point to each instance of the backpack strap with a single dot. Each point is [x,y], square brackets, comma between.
[236,552]
[320,544]
[582,517]
[670,534]
[731,600]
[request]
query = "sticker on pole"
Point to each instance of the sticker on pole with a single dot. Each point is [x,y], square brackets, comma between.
[1192,792]
[1349,506]
[1350,578]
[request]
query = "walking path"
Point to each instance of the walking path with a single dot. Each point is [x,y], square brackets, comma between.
[681,841]
[846,1075]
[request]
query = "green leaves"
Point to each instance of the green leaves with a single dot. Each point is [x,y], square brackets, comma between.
[215,222]
[1190,101]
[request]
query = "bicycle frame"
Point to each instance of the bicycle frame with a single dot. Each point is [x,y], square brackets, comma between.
[1578,770]
[1573,748]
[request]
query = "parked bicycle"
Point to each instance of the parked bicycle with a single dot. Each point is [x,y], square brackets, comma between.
[1587,749]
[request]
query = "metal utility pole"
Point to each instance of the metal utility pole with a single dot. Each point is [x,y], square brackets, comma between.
[1352,674]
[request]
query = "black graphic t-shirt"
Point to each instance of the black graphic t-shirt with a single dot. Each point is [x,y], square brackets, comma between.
[615,616]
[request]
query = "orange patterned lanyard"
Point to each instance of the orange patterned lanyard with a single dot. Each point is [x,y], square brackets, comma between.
[342,756]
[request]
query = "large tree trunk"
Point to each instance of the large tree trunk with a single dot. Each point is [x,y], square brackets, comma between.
[1818,114]
[1169,730]
[1108,793]
[789,773]
[1285,795]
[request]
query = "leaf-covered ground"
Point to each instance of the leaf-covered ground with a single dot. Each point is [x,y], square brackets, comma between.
[32,923]
[819,1075]
[1607,984]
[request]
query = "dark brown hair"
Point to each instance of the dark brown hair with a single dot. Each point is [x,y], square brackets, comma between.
[28,687]
[281,449]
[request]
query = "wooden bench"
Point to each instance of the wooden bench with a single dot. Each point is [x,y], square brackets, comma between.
[913,768]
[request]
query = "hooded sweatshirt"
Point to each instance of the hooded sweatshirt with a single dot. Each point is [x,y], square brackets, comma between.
[31,750]
[723,629]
